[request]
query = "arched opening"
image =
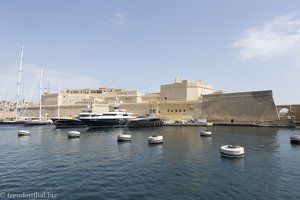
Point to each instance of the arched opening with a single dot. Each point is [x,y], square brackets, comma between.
[283,112]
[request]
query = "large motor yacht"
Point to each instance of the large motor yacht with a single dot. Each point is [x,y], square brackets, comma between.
[115,118]
[74,122]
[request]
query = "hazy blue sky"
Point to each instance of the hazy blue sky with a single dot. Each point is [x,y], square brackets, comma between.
[234,45]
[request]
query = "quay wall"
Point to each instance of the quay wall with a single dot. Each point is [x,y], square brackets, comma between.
[243,107]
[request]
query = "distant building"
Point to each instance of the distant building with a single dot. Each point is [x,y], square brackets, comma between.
[185,90]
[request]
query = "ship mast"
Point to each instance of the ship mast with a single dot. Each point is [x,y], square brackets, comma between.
[41,93]
[19,83]
[58,102]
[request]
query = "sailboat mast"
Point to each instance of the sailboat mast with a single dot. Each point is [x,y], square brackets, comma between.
[19,83]
[58,102]
[41,93]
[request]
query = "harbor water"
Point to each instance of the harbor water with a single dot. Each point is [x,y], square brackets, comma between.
[186,166]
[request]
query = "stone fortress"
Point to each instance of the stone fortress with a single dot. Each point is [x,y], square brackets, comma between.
[181,100]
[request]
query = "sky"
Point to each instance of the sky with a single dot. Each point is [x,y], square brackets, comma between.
[234,45]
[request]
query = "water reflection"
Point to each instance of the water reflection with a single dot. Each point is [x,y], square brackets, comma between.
[24,140]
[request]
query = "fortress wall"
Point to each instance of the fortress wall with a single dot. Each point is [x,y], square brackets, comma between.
[180,110]
[135,108]
[243,107]
[50,99]
[65,110]
[167,110]
[51,111]
[71,99]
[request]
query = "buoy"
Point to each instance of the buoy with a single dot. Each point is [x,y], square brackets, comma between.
[73,134]
[232,151]
[205,133]
[23,133]
[155,139]
[124,137]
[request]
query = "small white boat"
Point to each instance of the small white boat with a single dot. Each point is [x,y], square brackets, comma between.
[205,133]
[37,122]
[155,139]
[23,133]
[295,139]
[232,151]
[124,137]
[73,134]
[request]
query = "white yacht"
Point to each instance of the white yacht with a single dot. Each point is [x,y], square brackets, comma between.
[116,118]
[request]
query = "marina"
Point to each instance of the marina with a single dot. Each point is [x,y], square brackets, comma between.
[188,165]
[150,100]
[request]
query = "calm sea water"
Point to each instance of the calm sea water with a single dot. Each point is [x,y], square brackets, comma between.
[185,166]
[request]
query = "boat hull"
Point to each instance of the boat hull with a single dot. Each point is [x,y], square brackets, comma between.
[295,139]
[105,123]
[69,123]
[37,123]
[11,122]
[144,122]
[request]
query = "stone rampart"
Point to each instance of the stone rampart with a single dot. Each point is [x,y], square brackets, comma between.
[243,107]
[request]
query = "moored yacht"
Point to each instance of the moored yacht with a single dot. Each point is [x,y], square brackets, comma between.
[35,122]
[108,119]
[295,139]
[145,121]
[68,122]
[115,118]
